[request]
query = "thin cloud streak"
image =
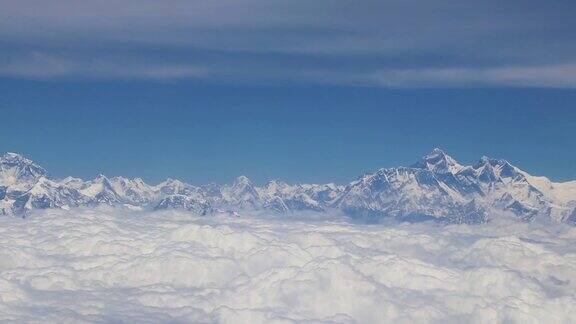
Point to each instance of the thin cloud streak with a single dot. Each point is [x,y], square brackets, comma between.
[554,76]
[42,66]
[377,43]
[45,66]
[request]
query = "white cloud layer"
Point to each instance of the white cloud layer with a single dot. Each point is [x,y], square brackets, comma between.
[110,266]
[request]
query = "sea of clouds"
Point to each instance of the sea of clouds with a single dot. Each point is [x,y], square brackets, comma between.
[134,267]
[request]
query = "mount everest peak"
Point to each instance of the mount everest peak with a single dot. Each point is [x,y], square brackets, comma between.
[438,161]
[436,187]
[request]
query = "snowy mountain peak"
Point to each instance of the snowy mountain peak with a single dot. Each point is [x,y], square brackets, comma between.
[485,159]
[12,156]
[139,181]
[436,187]
[438,161]
[171,186]
[242,181]
[14,159]
[101,178]
[490,169]
[274,186]
[17,170]
[436,151]
[242,185]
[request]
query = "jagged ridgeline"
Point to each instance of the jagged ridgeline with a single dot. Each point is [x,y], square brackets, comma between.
[436,187]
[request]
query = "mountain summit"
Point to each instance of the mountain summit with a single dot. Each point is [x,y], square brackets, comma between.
[17,170]
[436,187]
[439,162]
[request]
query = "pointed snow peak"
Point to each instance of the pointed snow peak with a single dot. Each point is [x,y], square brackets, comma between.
[491,169]
[13,156]
[242,181]
[484,163]
[439,162]
[15,159]
[171,186]
[486,160]
[140,182]
[243,187]
[100,177]
[436,151]
[42,186]
[274,186]
[22,168]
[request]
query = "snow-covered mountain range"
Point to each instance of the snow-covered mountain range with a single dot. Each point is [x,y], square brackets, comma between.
[435,187]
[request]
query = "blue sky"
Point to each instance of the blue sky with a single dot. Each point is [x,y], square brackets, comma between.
[297,90]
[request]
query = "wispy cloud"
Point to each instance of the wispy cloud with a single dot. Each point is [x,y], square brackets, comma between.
[43,66]
[561,76]
[386,43]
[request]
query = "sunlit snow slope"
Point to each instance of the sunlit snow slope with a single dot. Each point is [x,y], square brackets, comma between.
[435,187]
[103,265]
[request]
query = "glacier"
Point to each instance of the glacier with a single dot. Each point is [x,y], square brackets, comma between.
[436,187]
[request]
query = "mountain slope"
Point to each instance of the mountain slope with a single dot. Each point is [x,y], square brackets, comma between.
[435,187]
[438,187]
